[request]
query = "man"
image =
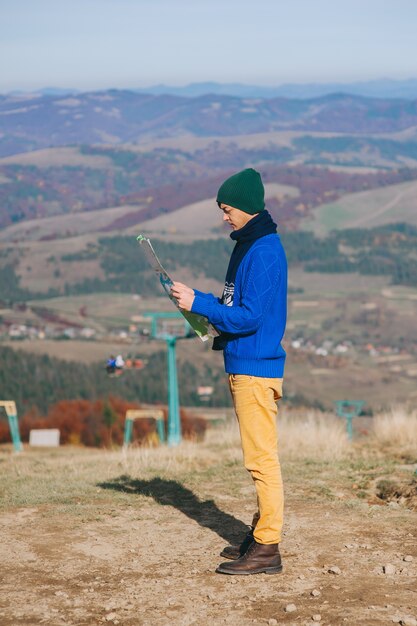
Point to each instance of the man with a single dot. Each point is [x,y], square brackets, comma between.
[251,317]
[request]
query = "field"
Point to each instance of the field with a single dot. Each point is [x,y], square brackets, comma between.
[70,266]
[74,225]
[327,309]
[92,536]
[367,209]
[201,219]
[49,157]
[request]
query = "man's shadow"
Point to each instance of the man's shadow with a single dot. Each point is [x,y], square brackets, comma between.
[172,493]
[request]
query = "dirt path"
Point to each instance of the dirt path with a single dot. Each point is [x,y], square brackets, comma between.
[147,551]
[385,208]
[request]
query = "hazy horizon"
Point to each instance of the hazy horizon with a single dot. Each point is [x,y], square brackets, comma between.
[180,85]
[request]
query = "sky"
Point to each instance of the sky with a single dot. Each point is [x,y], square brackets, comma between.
[97,44]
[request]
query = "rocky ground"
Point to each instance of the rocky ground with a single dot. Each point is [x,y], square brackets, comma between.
[92,537]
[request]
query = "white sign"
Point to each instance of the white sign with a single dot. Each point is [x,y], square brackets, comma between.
[44,437]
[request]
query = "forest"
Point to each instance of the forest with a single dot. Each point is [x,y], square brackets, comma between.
[387,250]
[384,250]
[165,179]
[49,380]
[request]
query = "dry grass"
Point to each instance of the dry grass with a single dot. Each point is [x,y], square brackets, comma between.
[314,435]
[186,457]
[397,429]
[307,434]
[77,223]
[302,435]
[71,473]
[58,157]
[313,446]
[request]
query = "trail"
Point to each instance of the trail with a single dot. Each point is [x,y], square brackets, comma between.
[365,219]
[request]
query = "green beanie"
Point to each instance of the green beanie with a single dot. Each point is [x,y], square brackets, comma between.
[243,191]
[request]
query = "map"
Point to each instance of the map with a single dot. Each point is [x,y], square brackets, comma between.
[198,323]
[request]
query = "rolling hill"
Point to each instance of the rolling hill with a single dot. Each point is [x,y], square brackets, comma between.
[70,181]
[82,174]
[113,117]
[366,209]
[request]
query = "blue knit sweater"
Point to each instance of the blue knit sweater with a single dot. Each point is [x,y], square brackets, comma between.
[255,318]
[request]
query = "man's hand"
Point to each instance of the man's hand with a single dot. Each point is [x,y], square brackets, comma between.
[184,295]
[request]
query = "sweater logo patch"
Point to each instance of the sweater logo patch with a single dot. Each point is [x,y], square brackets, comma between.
[228,293]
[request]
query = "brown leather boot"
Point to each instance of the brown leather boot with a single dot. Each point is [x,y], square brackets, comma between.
[258,559]
[236,551]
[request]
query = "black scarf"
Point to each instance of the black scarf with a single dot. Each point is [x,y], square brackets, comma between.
[259,226]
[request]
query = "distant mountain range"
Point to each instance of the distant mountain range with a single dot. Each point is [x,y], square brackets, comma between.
[113,117]
[385,88]
[382,88]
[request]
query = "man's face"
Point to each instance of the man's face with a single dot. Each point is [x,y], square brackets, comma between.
[235,217]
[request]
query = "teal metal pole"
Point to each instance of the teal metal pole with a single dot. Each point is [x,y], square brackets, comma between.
[128,432]
[348,409]
[14,431]
[349,427]
[174,424]
[160,428]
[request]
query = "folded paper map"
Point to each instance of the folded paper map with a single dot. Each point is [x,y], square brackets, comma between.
[198,323]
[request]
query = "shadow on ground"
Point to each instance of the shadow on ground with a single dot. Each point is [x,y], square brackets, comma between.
[172,493]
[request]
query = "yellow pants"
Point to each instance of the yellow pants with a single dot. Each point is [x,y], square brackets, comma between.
[255,399]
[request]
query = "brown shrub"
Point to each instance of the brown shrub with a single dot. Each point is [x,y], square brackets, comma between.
[100,423]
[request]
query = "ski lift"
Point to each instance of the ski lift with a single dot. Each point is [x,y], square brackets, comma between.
[116,365]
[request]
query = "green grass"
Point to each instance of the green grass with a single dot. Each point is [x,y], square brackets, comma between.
[366,209]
